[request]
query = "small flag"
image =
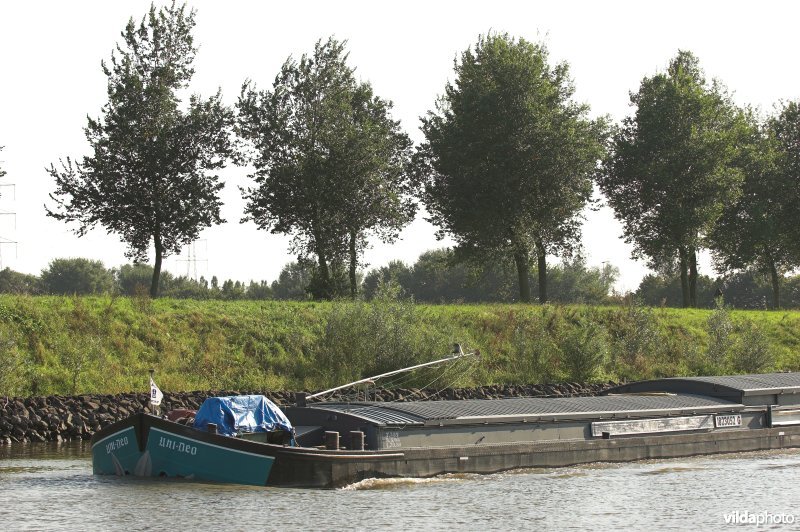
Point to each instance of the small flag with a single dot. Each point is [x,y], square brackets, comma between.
[155,393]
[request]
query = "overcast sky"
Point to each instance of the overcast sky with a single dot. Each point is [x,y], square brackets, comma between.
[50,55]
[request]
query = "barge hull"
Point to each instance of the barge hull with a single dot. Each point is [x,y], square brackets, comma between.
[326,471]
[343,443]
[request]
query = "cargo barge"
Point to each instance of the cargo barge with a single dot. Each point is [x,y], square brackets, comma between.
[332,444]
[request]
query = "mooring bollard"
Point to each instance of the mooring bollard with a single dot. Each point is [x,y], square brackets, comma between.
[357,440]
[332,440]
[212,428]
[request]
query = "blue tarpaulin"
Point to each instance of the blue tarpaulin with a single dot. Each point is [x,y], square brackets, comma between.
[241,413]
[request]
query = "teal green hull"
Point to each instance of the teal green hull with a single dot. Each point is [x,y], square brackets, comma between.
[117,453]
[173,455]
[144,446]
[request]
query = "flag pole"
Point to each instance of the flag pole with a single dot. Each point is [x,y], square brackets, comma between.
[155,395]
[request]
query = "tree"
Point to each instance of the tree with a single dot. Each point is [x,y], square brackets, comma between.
[259,291]
[376,195]
[672,167]
[293,281]
[747,289]
[441,275]
[758,231]
[573,281]
[134,279]
[664,289]
[13,282]
[331,164]
[394,272]
[785,128]
[76,276]
[232,290]
[508,156]
[150,178]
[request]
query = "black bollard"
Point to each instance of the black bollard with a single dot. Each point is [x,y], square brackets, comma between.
[332,440]
[357,440]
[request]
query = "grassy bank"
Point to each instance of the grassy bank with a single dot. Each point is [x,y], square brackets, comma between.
[66,345]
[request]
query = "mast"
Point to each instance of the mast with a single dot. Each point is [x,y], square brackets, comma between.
[457,353]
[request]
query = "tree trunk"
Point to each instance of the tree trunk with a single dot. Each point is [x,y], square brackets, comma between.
[523,270]
[157,266]
[693,277]
[353,264]
[776,284]
[320,287]
[683,259]
[325,275]
[541,255]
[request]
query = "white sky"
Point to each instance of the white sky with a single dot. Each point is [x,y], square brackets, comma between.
[50,80]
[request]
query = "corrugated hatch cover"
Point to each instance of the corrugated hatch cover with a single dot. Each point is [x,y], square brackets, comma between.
[535,407]
[750,383]
[732,387]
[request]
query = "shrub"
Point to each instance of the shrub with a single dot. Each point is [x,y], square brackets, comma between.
[362,339]
[584,349]
[635,339]
[720,329]
[751,352]
[13,378]
[534,352]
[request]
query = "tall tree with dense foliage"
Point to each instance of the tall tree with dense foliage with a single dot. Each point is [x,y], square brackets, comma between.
[785,128]
[672,167]
[377,189]
[151,176]
[759,231]
[331,165]
[509,156]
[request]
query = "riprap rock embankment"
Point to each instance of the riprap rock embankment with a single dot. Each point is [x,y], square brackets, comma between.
[63,418]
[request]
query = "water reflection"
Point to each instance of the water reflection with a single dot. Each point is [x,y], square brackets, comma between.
[51,487]
[47,451]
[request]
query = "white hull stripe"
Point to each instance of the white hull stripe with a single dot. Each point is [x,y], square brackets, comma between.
[228,449]
[112,435]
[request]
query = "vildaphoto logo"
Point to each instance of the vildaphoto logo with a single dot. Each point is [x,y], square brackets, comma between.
[760,518]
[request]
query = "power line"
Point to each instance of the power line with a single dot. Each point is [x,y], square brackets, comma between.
[4,240]
[191,259]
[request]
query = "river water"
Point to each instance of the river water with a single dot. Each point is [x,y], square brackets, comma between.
[51,487]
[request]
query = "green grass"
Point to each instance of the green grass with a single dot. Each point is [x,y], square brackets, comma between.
[67,345]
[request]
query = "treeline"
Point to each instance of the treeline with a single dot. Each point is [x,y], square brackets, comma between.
[438,276]
[79,276]
[507,166]
[742,290]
